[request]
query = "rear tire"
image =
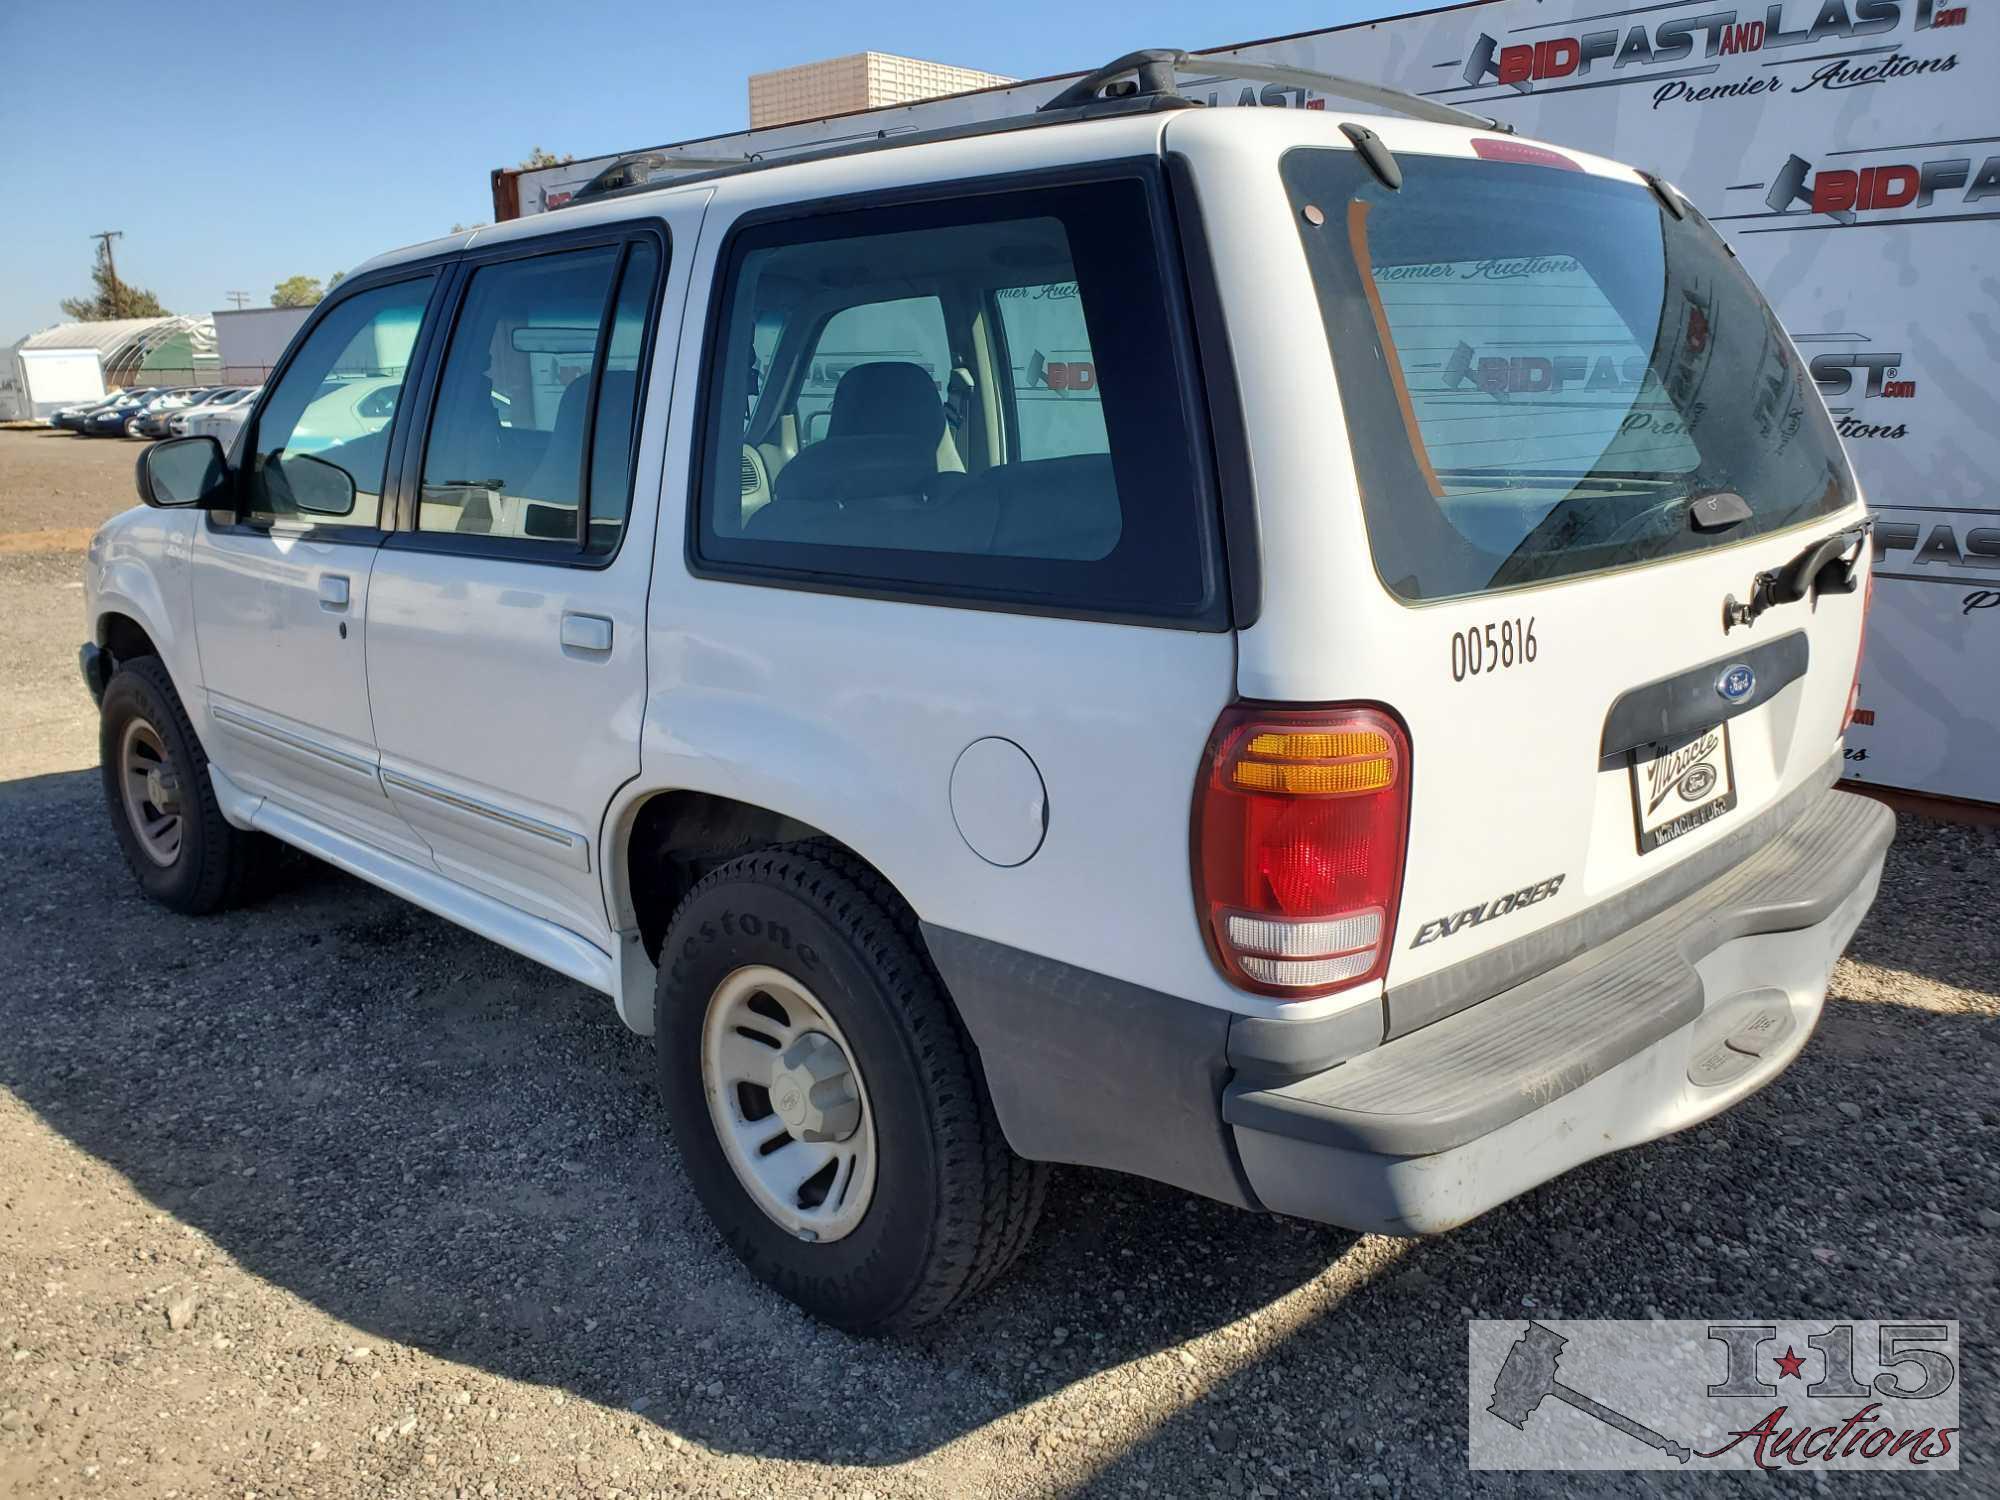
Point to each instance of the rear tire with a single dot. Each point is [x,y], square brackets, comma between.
[948,1205]
[183,852]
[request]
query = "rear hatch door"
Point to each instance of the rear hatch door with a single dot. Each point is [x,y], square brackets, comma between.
[1578,432]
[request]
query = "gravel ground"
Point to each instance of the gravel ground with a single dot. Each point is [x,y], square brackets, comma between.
[328,1198]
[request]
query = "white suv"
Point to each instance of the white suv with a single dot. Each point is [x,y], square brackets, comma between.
[1302,657]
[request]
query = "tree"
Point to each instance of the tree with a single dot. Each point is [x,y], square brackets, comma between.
[540,158]
[296,291]
[112,298]
[335,280]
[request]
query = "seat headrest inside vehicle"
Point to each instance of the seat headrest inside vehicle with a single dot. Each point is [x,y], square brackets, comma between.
[889,397]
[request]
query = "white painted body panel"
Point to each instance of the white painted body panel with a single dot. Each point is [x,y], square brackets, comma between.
[849,714]
[283,705]
[137,566]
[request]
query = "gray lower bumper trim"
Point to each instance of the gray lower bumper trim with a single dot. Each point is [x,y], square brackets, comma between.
[1088,1069]
[1484,1067]
[1418,1004]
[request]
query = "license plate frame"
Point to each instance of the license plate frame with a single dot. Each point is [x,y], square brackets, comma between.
[1681,786]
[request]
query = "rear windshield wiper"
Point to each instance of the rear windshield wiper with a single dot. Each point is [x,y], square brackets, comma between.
[1831,565]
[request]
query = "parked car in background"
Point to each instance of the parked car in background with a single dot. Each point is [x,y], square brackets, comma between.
[151,422]
[176,421]
[221,419]
[109,419]
[157,419]
[71,418]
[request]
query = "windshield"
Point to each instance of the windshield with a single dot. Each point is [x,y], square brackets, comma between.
[1543,370]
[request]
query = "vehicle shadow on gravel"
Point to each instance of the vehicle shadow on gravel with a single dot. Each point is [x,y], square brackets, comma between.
[449,1148]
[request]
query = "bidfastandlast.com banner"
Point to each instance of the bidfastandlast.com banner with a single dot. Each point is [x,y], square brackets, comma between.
[1850,151]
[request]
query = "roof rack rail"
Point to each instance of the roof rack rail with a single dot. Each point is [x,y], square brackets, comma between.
[1153,72]
[639,169]
[616,183]
[1090,97]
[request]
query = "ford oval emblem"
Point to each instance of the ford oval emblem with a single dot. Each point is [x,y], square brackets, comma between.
[1736,683]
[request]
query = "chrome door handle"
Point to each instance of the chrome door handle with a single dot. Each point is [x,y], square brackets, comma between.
[586,632]
[333,591]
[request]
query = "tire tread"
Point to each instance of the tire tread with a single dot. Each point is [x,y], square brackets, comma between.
[229,857]
[989,1197]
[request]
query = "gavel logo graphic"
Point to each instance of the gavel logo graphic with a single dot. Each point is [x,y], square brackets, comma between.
[1529,1375]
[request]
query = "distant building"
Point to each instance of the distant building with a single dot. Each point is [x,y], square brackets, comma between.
[139,351]
[250,339]
[864,80]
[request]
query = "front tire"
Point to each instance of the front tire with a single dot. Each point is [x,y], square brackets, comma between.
[828,1108]
[183,852]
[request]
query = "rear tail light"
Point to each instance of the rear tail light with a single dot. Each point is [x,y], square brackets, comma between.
[1300,822]
[1860,652]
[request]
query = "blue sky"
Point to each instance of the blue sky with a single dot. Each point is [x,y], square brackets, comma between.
[237,145]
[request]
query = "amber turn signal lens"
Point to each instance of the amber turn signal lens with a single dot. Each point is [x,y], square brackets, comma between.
[1315,780]
[1295,745]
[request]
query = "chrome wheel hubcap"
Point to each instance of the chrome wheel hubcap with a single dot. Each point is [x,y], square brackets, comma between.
[152,792]
[789,1106]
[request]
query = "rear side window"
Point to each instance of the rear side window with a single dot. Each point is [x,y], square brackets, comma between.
[1542,372]
[981,400]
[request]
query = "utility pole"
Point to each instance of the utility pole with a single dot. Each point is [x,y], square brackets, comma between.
[239,298]
[106,236]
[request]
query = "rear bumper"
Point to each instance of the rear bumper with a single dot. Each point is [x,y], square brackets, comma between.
[1672,1022]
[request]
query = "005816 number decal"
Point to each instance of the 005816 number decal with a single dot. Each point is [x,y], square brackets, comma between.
[1490,647]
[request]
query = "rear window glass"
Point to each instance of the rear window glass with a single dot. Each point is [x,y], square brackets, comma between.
[1542,371]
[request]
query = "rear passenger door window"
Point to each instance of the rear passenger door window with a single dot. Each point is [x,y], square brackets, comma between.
[531,434]
[838,454]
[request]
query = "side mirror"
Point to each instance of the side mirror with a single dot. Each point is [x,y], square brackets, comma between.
[318,487]
[183,471]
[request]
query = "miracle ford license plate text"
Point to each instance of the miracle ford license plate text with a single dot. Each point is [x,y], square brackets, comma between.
[1680,787]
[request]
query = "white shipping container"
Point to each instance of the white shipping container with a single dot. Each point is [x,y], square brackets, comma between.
[41,380]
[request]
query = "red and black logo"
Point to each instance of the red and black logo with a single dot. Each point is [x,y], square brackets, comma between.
[1847,191]
[1843,193]
[1691,46]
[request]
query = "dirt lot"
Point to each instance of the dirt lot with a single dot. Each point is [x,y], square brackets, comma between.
[328,1198]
